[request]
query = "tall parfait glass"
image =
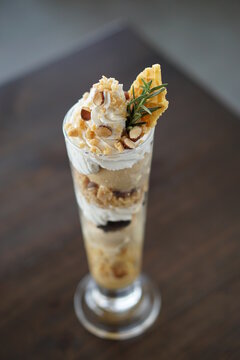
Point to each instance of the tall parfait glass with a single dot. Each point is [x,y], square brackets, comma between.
[115,300]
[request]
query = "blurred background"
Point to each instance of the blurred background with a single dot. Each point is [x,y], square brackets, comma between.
[202,37]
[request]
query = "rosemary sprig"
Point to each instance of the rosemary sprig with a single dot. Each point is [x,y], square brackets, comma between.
[136,108]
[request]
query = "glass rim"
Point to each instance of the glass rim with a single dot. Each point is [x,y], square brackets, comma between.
[88,152]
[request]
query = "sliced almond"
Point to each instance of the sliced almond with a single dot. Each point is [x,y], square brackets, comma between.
[135,133]
[86,113]
[128,144]
[98,98]
[127,97]
[104,131]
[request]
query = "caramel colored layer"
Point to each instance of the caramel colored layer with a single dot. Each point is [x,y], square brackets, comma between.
[115,258]
[103,196]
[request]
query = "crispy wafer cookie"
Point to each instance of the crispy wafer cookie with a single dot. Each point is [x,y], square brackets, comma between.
[151,73]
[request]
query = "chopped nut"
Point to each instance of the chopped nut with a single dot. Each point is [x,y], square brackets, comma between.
[71,131]
[94,149]
[127,97]
[89,134]
[94,142]
[86,113]
[104,194]
[98,98]
[135,133]
[104,131]
[82,124]
[119,146]
[128,144]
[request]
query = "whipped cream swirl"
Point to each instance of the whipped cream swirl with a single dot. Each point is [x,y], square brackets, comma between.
[112,114]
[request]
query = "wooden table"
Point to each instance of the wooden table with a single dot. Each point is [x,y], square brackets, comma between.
[192,243]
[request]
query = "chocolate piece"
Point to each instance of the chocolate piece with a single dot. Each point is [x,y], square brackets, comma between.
[114,225]
[123,194]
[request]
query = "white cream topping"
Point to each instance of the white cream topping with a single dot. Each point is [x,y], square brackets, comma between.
[100,216]
[112,113]
[87,162]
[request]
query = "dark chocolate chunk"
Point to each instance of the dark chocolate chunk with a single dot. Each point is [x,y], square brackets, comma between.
[114,225]
[123,194]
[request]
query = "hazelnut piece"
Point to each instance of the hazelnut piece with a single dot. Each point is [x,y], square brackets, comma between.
[98,98]
[86,113]
[135,133]
[71,131]
[104,131]
[128,144]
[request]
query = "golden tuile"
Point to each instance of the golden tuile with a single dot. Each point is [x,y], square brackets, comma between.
[151,73]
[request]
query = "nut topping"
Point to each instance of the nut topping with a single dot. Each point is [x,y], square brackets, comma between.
[128,144]
[104,131]
[98,98]
[86,113]
[135,133]
[71,131]
[127,97]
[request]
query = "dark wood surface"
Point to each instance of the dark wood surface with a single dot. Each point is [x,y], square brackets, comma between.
[192,246]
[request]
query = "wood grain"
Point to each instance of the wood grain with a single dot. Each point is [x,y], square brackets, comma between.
[192,241]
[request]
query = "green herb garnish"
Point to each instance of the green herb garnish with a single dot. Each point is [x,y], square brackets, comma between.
[137,108]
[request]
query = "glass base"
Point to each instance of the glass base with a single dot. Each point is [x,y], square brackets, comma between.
[117,314]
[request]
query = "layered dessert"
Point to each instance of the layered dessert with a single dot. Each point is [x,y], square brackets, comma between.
[109,137]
